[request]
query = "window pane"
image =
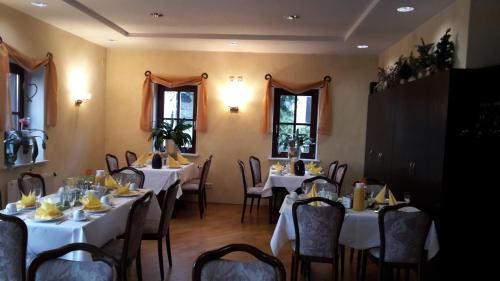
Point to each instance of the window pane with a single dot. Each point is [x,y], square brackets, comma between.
[304,109]
[285,134]
[170,104]
[189,132]
[305,131]
[187,105]
[14,91]
[287,109]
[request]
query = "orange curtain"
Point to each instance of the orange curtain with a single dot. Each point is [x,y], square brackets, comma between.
[325,105]
[6,52]
[148,95]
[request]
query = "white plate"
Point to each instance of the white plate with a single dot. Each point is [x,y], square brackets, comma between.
[25,209]
[104,209]
[131,194]
[47,220]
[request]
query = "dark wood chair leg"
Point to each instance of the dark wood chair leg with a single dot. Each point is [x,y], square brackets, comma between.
[381,271]
[351,255]
[169,251]
[244,208]
[123,273]
[160,257]
[295,265]
[258,203]
[205,198]
[200,204]
[342,260]
[364,257]
[336,268]
[360,254]
[138,266]
[251,205]
[271,210]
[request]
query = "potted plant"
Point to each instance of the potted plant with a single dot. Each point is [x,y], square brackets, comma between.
[293,142]
[165,133]
[21,143]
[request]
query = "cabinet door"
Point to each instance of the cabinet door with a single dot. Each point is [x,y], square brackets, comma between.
[379,135]
[411,140]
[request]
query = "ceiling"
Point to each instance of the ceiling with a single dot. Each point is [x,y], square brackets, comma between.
[325,26]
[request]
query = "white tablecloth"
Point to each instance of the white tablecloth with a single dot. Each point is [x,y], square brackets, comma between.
[98,230]
[290,182]
[359,231]
[161,179]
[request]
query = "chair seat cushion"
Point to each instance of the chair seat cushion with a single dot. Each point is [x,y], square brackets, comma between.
[260,184]
[375,252]
[114,248]
[196,181]
[65,270]
[190,186]
[254,190]
[227,270]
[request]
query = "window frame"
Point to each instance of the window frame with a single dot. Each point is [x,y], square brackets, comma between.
[160,98]
[314,94]
[18,70]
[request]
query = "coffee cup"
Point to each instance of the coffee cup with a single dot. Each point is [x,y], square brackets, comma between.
[105,200]
[293,195]
[133,186]
[11,208]
[78,214]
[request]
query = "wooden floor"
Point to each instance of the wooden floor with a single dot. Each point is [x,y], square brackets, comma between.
[191,236]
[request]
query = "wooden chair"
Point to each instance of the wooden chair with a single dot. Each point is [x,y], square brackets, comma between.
[112,162]
[317,231]
[340,175]
[249,192]
[210,265]
[126,250]
[161,230]
[13,243]
[256,171]
[48,266]
[199,188]
[129,175]
[131,157]
[403,231]
[27,181]
[332,168]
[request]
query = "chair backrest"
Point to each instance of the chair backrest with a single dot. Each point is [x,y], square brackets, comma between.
[47,266]
[167,208]
[112,162]
[243,177]
[13,242]
[332,168]
[204,174]
[340,174]
[403,231]
[135,227]
[255,169]
[27,181]
[317,229]
[131,157]
[129,175]
[321,182]
[210,266]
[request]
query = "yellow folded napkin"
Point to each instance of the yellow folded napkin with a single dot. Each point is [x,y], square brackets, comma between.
[172,163]
[182,160]
[90,202]
[316,170]
[380,198]
[47,211]
[27,201]
[123,190]
[110,182]
[278,167]
[143,159]
[313,193]
[310,166]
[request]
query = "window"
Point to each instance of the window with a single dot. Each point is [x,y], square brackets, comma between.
[294,112]
[178,104]
[16,80]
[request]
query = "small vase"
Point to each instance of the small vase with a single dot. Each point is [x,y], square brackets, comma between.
[156,163]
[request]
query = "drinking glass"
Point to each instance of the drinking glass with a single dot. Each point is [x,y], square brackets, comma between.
[407,197]
[72,198]
[38,194]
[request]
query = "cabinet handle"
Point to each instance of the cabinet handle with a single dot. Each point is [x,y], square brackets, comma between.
[409,168]
[380,155]
[370,152]
[413,168]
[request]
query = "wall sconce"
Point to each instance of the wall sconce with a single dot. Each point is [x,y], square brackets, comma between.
[82,97]
[236,89]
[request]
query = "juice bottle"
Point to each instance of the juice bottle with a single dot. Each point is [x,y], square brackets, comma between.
[359,197]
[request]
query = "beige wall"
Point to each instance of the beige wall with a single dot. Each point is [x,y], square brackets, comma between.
[236,136]
[78,140]
[456,17]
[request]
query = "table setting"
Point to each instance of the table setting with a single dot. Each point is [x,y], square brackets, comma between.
[283,175]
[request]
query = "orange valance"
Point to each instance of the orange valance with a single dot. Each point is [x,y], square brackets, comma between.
[8,52]
[148,95]
[325,104]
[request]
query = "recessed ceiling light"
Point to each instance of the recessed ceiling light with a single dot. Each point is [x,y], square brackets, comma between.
[292,17]
[39,4]
[362,46]
[156,14]
[233,43]
[405,9]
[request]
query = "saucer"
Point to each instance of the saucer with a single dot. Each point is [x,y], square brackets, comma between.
[5,212]
[84,218]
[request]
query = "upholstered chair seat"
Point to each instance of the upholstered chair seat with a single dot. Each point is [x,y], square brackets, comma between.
[254,190]
[191,186]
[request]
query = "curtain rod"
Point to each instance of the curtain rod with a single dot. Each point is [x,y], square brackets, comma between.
[204,75]
[327,78]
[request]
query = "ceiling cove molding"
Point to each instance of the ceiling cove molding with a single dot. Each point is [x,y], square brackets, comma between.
[361,18]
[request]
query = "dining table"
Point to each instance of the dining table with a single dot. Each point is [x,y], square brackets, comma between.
[283,179]
[360,230]
[97,229]
[161,179]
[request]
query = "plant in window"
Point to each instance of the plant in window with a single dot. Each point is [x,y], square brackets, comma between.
[293,142]
[26,140]
[165,130]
